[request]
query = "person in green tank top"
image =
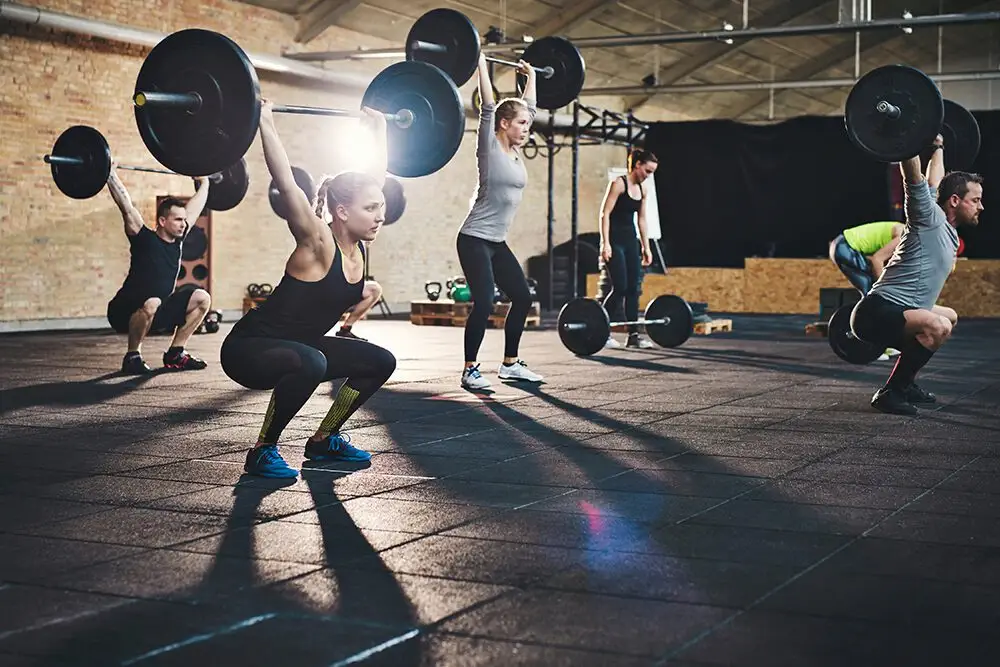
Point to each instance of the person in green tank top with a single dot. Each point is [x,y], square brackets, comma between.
[861,252]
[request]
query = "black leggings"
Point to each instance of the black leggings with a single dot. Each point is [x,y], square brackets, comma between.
[294,370]
[625,270]
[487,264]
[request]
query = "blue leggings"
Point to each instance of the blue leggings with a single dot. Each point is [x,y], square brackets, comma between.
[852,264]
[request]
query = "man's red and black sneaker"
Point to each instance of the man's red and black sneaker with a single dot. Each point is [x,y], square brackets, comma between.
[182,361]
[133,364]
[345,332]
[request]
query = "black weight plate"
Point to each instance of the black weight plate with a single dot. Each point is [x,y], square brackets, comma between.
[219,134]
[86,180]
[680,327]
[395,200]
[438,116]
[569,71]
[887,139]
[477,99]
[961,137]
[230,191]
[587,341]
[847,346]
[305,183]
[195,244]
[453,30]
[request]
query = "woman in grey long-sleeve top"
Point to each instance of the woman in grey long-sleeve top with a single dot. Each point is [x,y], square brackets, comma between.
[486,259]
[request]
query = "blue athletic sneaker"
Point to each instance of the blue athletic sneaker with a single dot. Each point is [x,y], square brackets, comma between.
[336,447]
[267,462]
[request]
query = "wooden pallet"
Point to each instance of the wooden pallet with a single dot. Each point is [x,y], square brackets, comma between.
[448,313]
[818,329]
[707,328]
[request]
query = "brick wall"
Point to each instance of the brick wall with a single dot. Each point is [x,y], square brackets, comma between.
[63,258]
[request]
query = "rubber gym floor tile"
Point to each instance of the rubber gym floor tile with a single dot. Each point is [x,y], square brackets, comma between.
[117,490]
[311,544]
[416,463]
[30,559]
[21,512]
[932,606]
[488,561]
[68,460]
[480,494]
[651,577]
[972,481]
[734,465]
[817,492]
[243,504]
[639,507]
[176,575]
[887,558]
[938,501]
[27,610]
[758,546]
[477,447]
[134,526]
[875,475]
[629,627]
[380,513]
[447,649]
[751,640]
[724,421]
[544,469]
[792,517]
[941,528]
[201,471]
[681,482]
[379,596]
[874,453]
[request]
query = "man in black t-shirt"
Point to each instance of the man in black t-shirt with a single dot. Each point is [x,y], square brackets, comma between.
[147,297]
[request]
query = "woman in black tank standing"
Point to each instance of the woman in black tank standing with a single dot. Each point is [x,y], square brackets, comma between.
[620,249]
[282,345]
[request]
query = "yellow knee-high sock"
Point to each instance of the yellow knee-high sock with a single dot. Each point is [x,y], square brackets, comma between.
[337,415]
[268,418]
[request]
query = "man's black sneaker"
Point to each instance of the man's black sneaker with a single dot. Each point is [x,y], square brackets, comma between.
[182,362]
[133,364]
[915,394]
[893,401]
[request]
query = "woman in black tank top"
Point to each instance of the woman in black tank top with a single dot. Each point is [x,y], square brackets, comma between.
[625,201]
[283,345]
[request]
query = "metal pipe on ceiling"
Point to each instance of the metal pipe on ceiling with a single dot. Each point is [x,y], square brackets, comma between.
[116,32]
[983,75]
[853,25]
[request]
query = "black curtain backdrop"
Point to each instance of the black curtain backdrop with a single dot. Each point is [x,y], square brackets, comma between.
[730,190]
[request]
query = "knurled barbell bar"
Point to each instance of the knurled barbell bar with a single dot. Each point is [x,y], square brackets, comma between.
[81,164]
[197,104]
[894,113]
[448,39]
[584,326]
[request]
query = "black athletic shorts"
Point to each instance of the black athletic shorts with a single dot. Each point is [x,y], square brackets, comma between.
[170,315]
[879,321]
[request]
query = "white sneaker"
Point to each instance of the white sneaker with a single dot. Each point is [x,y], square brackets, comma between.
[892,352]
[517,371]
[641,342]
[612,343]
[883,357]
[473,379]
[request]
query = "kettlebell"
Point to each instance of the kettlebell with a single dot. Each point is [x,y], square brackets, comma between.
[460,293]
[433,289]
[533,288]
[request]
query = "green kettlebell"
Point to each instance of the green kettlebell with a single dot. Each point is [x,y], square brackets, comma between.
[460,293]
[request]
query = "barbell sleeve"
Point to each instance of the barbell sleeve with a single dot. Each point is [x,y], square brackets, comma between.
[62,159]
[430,47]
[186,101]
[546,72]
[889,109]
[403,117]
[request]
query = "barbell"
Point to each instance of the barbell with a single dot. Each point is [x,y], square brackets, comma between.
[197,106]
[81,164]
[845,344]
[894,112]
[449,40]
[392,190]
[584,326]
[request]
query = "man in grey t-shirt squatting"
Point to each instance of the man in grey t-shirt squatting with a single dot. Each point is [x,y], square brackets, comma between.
[900,310]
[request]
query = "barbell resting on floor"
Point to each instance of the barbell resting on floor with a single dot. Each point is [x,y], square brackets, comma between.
[197,104]
[894,113]
[845,344]
[584,326]
[81,164]
[449,40]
